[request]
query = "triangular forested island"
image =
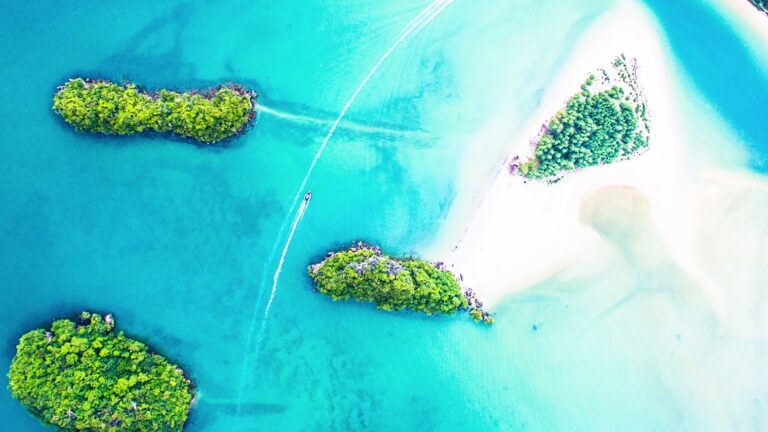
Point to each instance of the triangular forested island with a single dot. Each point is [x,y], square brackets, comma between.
[607,121]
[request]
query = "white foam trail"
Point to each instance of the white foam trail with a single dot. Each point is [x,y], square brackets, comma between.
[276,277]
[420,17]
[252,324]
[353,126]
[291,117]
[427,15]
[416,25]
[438,12]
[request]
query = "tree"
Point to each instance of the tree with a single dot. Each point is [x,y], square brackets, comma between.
[85,376]
[109,108]
[596,127]
[363,273]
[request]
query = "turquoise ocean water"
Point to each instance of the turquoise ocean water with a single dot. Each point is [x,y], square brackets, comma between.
[180,242]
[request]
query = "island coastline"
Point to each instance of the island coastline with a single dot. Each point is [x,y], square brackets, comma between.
[523,231]
[206,116]
[85,374]
[362,272]
[604,123]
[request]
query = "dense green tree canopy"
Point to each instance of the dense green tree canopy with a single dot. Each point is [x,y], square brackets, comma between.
[86,377]
[392,284]
[596,127]
[365,274]
[761,4]
[109,108]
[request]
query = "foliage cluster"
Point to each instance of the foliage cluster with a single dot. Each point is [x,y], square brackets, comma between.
[476,311]
[85,376]
[479,316]
[392,284]
[596,127]
[109,108]
[761,4]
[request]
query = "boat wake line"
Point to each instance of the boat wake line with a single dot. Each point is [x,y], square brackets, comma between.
[347,125]
[416,25]
[276,277]
[425,17]
[270,300]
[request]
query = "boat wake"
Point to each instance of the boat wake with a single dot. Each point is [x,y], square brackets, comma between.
[346,125]
[262,328]
[416,25]
[425,17]
[276,277]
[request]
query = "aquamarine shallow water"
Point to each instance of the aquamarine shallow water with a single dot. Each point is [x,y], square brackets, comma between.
[176,240]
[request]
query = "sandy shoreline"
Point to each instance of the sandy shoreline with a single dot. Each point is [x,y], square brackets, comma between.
[524,232]
[743,12]
[693,216]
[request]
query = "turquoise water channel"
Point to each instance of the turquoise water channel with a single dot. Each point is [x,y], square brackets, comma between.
[181,242]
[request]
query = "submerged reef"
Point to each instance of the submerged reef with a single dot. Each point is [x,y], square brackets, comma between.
[83,375]
[605,122]
[114,109]
[362,272]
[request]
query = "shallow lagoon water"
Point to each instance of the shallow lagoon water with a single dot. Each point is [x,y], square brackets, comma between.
[176,240]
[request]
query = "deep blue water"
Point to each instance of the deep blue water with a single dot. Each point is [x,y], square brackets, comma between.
[178,241]
[717,61]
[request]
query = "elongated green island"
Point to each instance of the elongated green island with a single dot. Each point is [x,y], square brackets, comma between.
[605,122]
[363,273]
[114,109]
[84,376]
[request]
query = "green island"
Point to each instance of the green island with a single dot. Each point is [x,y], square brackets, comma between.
[114,109]
[761,5]
[605,122]
[84,376]
[363,273]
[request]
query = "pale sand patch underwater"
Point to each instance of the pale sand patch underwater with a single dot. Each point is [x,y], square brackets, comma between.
[714,362]
[524,232]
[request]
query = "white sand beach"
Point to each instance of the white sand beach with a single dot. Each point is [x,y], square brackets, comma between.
[751,19]
[524,232]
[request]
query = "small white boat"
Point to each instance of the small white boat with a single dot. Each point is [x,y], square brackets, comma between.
[307,196]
